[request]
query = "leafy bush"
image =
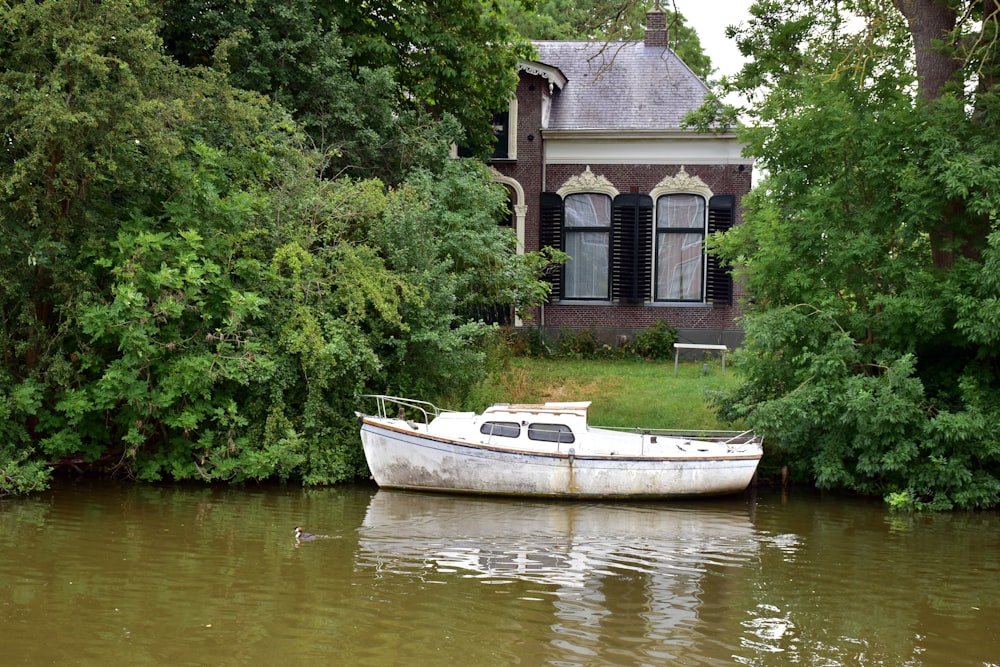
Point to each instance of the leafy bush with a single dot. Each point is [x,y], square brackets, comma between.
[183,297]
[578,344]
[655,342]
[528,342]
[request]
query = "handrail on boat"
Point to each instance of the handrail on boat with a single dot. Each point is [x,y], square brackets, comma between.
[427,409]
[722,437]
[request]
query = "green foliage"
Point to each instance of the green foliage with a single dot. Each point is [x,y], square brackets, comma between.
[182,297]
[655,342]
[369,81]
[531,342]
[443,54]
[93,114]
[178,318]
[870,252]
[577,343]
[479,253]
[20,470]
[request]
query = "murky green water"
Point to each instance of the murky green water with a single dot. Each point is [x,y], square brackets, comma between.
[187,576]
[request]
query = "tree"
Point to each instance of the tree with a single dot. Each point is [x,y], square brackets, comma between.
[366,79]
[605,20]
[870,248]
[91,114]
[182,296]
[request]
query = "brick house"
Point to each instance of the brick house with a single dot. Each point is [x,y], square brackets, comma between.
[597,164]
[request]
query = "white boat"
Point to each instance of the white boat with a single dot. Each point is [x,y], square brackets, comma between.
[547,450]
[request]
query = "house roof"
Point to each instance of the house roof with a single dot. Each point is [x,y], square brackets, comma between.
[619,85]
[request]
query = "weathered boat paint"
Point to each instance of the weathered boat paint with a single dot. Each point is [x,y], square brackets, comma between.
[447,451]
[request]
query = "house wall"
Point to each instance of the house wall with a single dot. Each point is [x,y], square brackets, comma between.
[696,323]
[528,169]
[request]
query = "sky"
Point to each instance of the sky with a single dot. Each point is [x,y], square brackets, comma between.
[709,19]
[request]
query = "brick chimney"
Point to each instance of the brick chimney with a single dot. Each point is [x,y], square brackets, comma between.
[656,26]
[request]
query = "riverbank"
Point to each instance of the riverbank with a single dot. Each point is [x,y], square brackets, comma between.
[623,392]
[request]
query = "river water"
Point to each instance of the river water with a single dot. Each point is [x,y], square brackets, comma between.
[146,575]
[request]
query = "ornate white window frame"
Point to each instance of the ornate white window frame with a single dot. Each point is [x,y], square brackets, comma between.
[681,183]
[587,181]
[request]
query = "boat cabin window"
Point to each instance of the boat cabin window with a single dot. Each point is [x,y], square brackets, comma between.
[505,429]
[550,433]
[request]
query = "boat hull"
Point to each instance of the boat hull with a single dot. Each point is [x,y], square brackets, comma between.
[404,458]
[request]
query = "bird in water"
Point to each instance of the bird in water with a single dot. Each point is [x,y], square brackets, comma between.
[302,536]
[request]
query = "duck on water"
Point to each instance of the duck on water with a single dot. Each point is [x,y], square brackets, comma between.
[301,536]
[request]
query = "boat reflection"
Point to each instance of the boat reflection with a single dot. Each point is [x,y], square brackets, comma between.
[644,582]
[566,544]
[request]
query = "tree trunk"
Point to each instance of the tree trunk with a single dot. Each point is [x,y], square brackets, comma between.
[931,21]
[932,25]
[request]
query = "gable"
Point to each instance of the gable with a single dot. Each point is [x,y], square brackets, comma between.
[619,85]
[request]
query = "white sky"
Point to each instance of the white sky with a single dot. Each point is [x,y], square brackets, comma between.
[709,19]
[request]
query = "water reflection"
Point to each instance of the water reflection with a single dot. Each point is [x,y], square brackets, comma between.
[640,579]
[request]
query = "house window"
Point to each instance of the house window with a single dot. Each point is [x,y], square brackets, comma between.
[633,259]
[587,239]
[501,128]
[680,247]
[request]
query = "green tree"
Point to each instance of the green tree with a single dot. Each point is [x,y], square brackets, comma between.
[293,53]
[183,296]
[370,299]
[444,54]
[870,247]
[81,113]
[124,303]
[367,80]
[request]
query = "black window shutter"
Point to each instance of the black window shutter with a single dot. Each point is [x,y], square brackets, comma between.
[719,285]
[631,247]
[550,234]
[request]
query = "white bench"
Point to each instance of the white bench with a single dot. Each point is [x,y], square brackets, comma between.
[698,346]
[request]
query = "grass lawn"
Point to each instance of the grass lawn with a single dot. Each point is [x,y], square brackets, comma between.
[623,392]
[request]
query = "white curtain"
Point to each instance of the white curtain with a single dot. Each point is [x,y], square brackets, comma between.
[587,273]
[587,239]
[680,240]
[679,274]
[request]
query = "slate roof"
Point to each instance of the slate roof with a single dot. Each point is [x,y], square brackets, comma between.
[620,85]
